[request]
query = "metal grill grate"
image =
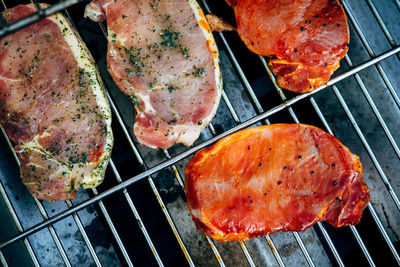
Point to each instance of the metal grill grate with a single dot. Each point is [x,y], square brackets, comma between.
[360,105]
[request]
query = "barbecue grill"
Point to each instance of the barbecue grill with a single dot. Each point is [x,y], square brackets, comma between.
[138,216]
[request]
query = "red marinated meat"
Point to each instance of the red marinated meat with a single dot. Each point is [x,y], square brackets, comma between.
[163,56]
[305,39]
[53,107]
[282,177]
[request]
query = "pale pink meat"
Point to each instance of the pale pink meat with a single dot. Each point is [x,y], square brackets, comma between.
[162,55]
[50,109]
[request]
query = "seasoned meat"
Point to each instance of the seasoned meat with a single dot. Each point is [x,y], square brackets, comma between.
[305,39]
[163,56]
[53,107]
[282,177]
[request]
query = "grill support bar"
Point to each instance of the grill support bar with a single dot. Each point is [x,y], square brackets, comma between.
[353,229]
[193,150]
[260,117]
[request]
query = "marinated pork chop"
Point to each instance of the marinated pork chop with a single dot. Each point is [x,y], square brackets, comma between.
[306,39]
[53,107]
[282,177]
[163,56]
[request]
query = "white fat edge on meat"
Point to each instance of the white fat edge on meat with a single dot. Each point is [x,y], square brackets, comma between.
[86,62]
[74,171]
[94,12]
[193,131]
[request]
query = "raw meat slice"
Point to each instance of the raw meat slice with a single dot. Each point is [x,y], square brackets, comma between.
[306,39]
[163,56]
[282,177]
[53,107]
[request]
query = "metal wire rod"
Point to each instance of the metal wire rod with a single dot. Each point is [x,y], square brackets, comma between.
[155,190]
[3,260]
[84,235]
[45,216]
[370,207]
[381,23]
[292,113]
[368,148]
[274,251]
[193,150]
[260,110]
[371,53]
[113,230]
[362,245]
[41,210]
[18,224]
[26,21]
[137,216]
[247,254]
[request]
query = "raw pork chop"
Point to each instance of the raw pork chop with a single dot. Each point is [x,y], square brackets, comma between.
[282,177]
[163,56]
[53,107]
[306,39]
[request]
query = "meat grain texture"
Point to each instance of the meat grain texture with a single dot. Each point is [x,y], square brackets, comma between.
[282,177]
[53,107]
[162,55]
[305,40]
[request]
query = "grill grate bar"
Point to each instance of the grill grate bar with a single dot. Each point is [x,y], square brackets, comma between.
[17,223]
[292,113]
[368,47]
[384,233]
[362,245]
[304,249]
[113,230]
[274,251]
[150,180]
[374,108]
[376,163]
[231,109]
[42,13]
[247,254]
[155,190]
[381,23]
[3,260]
[260,110]
[193,150]
[15,216]
[84,235]
[182,185]
[370,207]
[137,216]
[368,148]
[40,206]
[42,211]
[364,89]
